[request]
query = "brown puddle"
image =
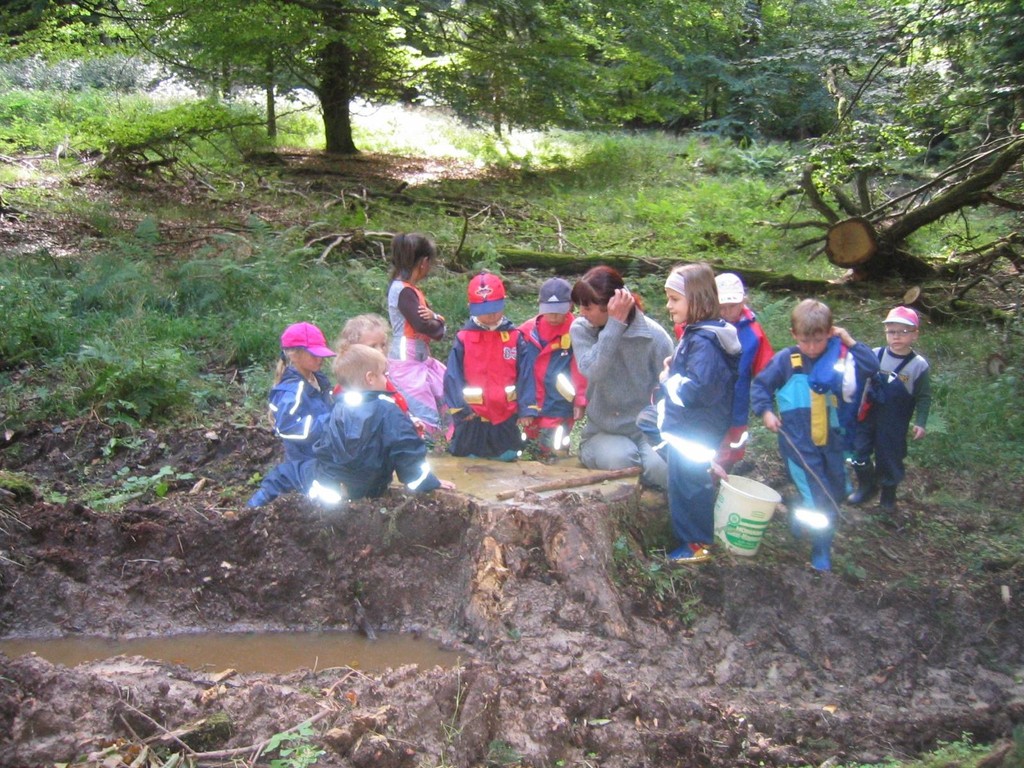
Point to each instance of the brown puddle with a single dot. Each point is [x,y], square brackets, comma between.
[246,652]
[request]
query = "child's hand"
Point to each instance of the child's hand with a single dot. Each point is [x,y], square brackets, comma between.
[447,485]
[578,411]
[426,313]
[717,470]
[526,422]
[771,422]
[919,432]
[844,335]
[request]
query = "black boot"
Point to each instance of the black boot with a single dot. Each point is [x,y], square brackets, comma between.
[887,501]
[867,486]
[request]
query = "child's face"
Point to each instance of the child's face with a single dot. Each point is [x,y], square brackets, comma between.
[305,362]
[677,305]
[377,380]
[900,337]
[731,313]
[811,344]
[376,338]
[491,319]
[554,318]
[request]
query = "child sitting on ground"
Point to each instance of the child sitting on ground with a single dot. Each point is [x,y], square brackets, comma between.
[365,442]
[559,387]
[485,378]
[300,399]
[900,393]
[806,383]
[374,331]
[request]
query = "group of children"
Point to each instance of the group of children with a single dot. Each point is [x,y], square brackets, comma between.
[828,398]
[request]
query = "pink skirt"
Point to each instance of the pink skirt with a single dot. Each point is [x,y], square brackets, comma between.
[422,384]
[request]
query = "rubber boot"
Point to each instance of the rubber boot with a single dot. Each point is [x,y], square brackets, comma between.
[867,485]
[887,501]
[821,553]
[259,498]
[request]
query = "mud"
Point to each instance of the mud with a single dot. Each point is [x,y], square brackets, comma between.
[579,648]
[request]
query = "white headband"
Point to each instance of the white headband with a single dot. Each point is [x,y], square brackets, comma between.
[676,282]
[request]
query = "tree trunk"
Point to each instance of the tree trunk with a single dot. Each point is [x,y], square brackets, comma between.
[335,94]
[873,245]
[269,92]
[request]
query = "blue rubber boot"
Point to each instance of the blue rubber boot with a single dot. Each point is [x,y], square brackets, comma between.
[259,498]
[821,553]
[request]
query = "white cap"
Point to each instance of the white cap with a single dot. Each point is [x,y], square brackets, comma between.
[730,288]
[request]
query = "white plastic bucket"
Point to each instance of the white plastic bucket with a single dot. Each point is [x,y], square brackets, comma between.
[743,509]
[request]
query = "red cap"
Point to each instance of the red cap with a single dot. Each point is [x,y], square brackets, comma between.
[903,316]
[486,294]
[307,336]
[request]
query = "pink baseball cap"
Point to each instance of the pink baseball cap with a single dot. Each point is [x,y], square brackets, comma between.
[486,294]
[903,316]
[307,336]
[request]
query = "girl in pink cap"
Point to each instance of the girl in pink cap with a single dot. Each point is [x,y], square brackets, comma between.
[301,396]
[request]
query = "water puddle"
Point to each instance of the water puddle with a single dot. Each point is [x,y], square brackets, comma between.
[261,652]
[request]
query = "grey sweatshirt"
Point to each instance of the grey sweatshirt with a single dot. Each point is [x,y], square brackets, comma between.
[622,364]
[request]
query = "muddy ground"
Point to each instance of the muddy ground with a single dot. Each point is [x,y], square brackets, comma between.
[571,655]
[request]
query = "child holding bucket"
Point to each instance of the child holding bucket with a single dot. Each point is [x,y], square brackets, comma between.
[806,383]
[694,414]
[755,354]
[900,394]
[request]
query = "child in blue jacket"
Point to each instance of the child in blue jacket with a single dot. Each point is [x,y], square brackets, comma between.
[696,409]
[898,397]
[807,383]
[301,396]
[365,442]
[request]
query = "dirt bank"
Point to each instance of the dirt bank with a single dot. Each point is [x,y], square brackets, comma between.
[578,648]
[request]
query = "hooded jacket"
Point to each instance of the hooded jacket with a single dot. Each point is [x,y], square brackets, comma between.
[299,410]
[368,439]
[701,383]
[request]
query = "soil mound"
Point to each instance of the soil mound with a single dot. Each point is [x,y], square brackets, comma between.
[578,648]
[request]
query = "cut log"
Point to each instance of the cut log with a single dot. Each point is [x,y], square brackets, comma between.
[851,242]
[572,482]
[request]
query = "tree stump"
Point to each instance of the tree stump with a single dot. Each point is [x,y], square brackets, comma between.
[851,243]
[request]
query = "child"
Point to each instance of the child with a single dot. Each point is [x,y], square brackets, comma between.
[485,378]
[696,409]
[369,329]
[413,326]
[900,393]
[372,330]
[561,390]
[366,440]
[301,396]
[756,352]
[807,382]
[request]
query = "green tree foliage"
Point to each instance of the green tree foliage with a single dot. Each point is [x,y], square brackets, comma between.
[887,77]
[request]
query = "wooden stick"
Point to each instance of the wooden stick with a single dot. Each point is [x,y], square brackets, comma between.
[573,482]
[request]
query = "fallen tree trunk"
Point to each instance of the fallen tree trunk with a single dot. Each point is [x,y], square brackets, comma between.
[872,244]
